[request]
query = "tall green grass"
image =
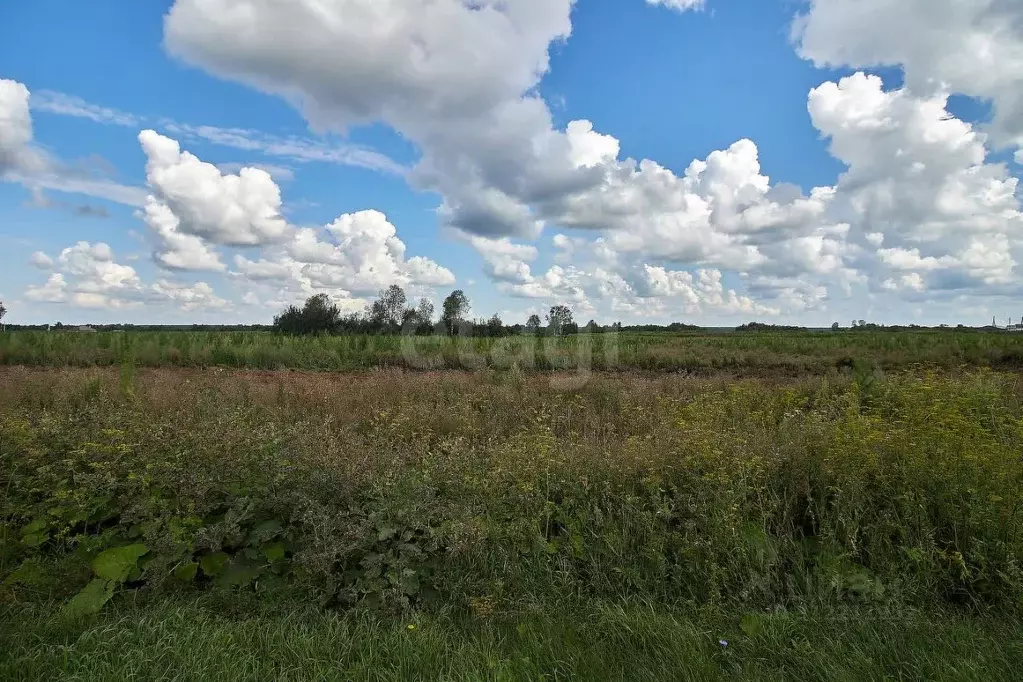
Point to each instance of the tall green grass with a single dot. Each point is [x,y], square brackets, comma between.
[215,640]
[790,353]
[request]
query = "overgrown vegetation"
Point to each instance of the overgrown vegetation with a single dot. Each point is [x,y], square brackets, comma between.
[412,491]
[750,353]
[510,525]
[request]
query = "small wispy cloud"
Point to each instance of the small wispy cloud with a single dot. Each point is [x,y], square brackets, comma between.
[291,147]
[679,5]
[39,199]
[101,188]
[69,105]
[278,173]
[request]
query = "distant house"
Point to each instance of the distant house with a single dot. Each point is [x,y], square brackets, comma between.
[85,328]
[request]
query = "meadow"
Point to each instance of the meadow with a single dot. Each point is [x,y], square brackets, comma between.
[512,524]
[791,353]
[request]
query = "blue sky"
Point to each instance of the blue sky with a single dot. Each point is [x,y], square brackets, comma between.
[457,162]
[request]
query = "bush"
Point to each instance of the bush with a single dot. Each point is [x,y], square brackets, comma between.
[318,316]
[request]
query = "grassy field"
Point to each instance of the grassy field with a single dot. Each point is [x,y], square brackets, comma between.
[264,524]
[787,353]
[206,639]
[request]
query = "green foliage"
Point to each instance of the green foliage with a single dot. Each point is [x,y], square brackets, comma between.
[112,567]
[118,564]
[454,309]
[762,353]
[317,316]
[92,598]
[559,320]
[388,311]
[413,491]
[218,639]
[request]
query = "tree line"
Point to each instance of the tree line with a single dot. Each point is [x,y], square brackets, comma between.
[393,313]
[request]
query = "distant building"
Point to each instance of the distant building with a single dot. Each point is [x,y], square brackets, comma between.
[1014,327]
[85,328]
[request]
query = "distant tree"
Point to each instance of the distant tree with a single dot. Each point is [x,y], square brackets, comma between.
[388,311]
[616,327]
[533,324]
[3,310]
[495,327]
[591,327]
[835,327]
[418,320]
[763,326]
[425,311]
[410,321]
[317,316]
[861,323]
[559,319]
[454,309]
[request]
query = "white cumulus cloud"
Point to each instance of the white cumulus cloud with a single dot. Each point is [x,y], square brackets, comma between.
[972,47]
[234,210]
[89,277]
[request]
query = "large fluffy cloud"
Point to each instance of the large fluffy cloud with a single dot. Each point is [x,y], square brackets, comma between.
[973,47]
[234,210]
[455,77]
[195,207]
[488,142]
[16,151]
[919,183]
[352,258]
[920,211]
[363,254]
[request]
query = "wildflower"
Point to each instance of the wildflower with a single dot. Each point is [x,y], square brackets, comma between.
[411,626]
[723,643]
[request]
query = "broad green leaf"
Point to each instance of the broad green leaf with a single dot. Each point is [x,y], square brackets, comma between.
[239,574]
[34,539]
[92,598]
[213,564]
[410,584]
[266,530]
[186,571]
[117,564]
[35,527]
[28,573]
[274,551]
